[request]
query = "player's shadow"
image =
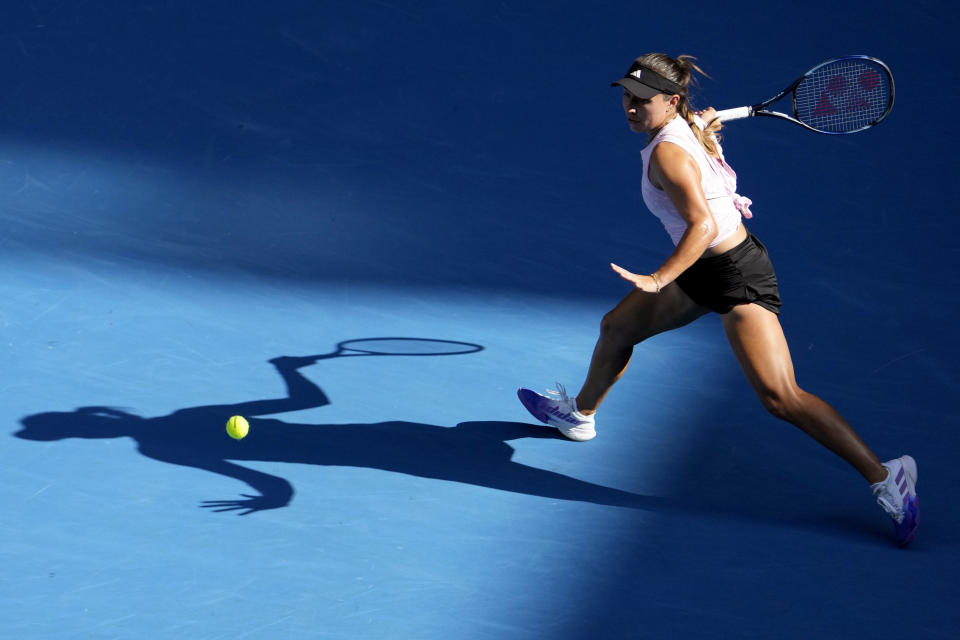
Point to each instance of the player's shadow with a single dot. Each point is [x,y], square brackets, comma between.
[473,453]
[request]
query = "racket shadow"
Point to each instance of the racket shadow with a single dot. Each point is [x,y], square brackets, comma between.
[473,453]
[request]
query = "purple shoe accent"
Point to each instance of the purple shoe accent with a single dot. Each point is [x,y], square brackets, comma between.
[531,402]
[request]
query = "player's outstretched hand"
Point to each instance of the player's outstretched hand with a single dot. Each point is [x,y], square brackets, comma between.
[644,283]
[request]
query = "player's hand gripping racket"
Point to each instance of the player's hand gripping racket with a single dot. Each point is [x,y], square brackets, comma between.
[844,95]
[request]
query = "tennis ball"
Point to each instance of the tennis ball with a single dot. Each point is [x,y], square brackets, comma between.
[237,427]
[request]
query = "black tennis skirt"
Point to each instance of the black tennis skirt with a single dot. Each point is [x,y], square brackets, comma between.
[742,275]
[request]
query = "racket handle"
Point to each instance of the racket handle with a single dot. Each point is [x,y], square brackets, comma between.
[735,114]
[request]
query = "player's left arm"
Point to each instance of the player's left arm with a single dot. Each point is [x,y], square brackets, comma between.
[676,172]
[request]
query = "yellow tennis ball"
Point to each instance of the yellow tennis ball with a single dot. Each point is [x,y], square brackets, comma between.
[237,427]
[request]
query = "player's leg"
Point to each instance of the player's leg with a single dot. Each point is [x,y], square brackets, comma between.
[638,316]
[759,344]
[758,341]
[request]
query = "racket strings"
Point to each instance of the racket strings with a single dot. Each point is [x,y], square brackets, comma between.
[844,96]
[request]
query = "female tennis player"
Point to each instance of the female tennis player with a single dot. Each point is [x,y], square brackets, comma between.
[716,266]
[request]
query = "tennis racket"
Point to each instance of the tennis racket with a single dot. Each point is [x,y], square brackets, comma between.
[844,95]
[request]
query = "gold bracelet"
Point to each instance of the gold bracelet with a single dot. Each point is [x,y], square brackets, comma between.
[656,281]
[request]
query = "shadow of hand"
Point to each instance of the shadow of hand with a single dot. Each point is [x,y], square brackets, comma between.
[245,505]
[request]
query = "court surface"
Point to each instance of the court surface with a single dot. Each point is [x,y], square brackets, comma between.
[199,197]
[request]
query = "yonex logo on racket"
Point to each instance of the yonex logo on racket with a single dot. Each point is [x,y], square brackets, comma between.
[840,95]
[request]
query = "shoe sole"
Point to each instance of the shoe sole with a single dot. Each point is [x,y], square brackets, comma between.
[916,523]
[577,436]
[910,468]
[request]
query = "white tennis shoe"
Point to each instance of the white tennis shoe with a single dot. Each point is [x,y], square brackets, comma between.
[898,497]
[558,410]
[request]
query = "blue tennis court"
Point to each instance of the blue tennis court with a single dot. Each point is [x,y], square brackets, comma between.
[204,203]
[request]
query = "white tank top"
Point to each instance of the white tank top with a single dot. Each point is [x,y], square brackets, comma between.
[718,180]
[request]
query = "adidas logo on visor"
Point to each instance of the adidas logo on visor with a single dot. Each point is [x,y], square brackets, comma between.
[636,74]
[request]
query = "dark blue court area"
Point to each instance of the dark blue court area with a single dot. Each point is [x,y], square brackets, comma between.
[204,205]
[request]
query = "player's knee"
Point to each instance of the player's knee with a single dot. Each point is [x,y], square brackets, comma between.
[610,324]
[783,403]
[616,328]
[626,328]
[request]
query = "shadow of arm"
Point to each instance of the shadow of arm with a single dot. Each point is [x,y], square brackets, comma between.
[274,492]
[301,392]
